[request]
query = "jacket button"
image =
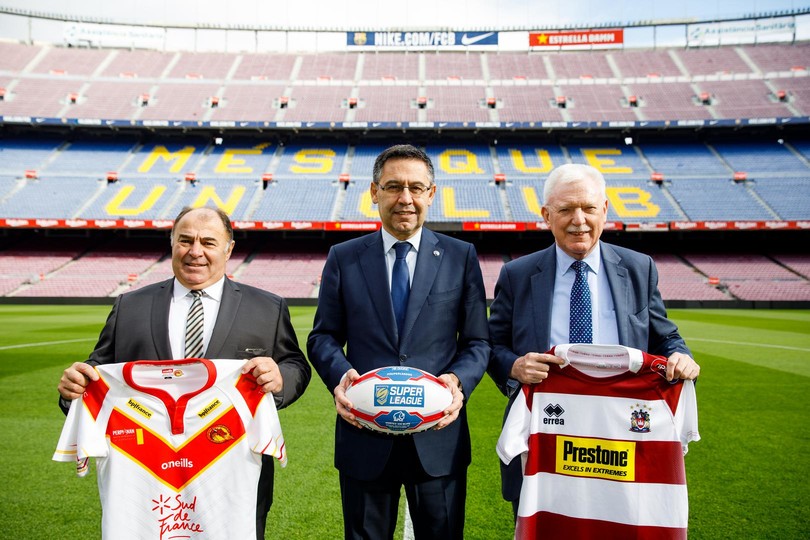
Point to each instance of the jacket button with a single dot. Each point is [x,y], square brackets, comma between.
[403,358]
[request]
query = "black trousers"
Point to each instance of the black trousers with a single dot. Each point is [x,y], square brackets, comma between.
[265,495]
[436,503]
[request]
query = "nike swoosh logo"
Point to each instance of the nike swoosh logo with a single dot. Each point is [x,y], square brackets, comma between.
[466,40]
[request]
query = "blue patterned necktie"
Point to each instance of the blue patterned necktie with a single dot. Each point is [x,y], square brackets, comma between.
[194,327]
[580,327]
[400,284]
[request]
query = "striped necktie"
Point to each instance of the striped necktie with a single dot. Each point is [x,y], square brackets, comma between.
[194,327]
[580,326]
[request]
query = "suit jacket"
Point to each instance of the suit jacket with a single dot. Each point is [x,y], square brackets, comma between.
[520,316]
[137,328]
[445,331]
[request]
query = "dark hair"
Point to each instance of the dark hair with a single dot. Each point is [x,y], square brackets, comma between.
[402,151]
[226,220]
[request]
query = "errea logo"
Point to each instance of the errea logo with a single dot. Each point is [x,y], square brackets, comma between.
[554,413]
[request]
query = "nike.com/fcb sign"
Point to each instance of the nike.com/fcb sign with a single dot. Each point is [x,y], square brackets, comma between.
[420,40]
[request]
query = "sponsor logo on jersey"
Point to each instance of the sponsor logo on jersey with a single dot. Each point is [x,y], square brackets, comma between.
[640,419]
[171,373]
[399,395]
[219,434]
[208,408]
[120,435]
[553,412]
[176,516]
[596,458]
[182,463]
[140,409]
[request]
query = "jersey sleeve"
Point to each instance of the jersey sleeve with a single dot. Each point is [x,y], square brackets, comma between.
[514,438]
[686,417]
[82,437]
[264,433]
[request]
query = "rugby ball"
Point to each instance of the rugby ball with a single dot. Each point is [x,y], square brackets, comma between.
[398,400]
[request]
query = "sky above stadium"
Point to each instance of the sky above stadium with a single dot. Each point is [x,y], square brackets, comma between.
[405,14]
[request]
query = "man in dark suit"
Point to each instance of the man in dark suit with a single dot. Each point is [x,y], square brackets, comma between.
[441,329]
[239,322]
[531,311]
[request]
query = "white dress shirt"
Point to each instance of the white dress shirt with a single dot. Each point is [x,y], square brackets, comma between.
[178,312]
[391,253]
[605,328]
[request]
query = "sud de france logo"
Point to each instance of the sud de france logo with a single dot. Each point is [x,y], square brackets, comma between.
[640,418]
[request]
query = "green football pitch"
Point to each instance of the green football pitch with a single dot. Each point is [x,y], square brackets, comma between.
[749,476]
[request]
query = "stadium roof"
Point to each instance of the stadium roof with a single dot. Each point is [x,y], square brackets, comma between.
[340,15]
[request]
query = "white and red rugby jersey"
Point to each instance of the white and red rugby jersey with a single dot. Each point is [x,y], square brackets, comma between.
[602,456]
[178,447]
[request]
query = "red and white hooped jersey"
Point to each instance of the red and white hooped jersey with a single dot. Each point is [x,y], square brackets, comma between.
[602,456]
[178,447]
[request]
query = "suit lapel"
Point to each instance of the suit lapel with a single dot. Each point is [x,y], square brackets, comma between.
[428,261]
[231,297]
[617,278]
[375,273]
[542,296]
[160,319]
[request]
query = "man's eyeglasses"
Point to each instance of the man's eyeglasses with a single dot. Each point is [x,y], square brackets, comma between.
[396,189]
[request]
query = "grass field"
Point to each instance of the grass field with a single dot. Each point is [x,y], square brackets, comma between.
[749,476]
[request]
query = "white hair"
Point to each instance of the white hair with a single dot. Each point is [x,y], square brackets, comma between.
[573,172]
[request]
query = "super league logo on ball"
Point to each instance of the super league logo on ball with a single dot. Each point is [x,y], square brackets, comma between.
[380,395]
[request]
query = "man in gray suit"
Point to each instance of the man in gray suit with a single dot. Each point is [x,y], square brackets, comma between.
[239,322]
[531,311]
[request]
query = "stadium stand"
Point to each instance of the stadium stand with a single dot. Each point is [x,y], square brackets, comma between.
[457,104]
[392,103]
[507,66]
[318,103]
[248,102]
[390,67]
[678,280]
[493,176]
[294,275]
[138,64]
[667,100]
[580,65]
[154,180]
[653,64]
[711,61]
[95,273]
[666,83]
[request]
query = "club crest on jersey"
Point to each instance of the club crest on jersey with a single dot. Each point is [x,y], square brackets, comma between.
[219,434]
[640,419]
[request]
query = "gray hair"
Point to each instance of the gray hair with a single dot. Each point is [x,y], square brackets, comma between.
[573,172]
[223,217]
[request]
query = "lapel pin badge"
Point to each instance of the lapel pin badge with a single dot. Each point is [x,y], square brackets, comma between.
[436,253]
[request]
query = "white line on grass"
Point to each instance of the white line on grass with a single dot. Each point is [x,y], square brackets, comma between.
[407,533]
[43,343]
[767,345]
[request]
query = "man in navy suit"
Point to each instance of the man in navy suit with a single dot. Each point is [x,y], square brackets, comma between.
[531,310]
[443,331]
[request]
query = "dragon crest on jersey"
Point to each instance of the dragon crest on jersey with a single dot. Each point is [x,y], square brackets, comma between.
[219,434]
